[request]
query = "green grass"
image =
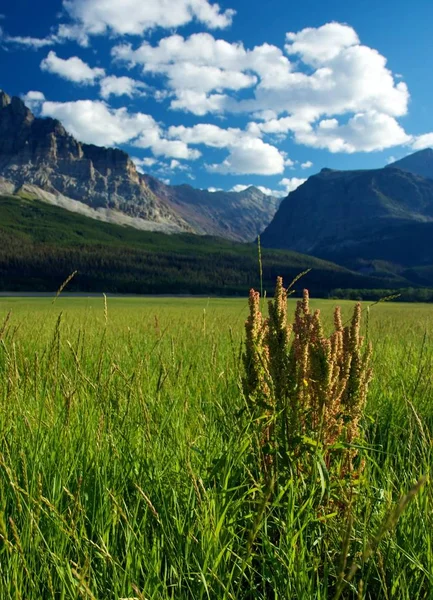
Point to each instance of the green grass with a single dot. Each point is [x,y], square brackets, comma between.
[125,460]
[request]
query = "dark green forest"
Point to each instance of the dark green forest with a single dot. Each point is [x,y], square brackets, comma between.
[40,245]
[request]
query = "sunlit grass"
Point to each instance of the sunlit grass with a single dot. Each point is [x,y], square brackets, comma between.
[124,459]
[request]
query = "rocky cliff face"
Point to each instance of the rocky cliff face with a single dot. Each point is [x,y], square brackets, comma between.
[41,152]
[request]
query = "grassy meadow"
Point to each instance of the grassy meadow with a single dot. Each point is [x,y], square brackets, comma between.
[125,461]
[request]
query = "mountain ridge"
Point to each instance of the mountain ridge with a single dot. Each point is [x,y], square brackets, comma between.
[343,216]
[43,244]
[40,152]
[418,163]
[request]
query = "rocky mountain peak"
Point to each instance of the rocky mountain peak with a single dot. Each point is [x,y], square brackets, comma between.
[39,152]
[366,214]
[14,107]
[5,100]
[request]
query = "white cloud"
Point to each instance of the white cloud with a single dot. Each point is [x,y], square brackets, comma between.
[207,134]
[151,139]
[198,103]
[421,142]
[28,41]
[72,32]
[317,45]
[346,77]
[240,187]
[121,86]
[251,156]
[72,69]
[64,32]
[364,132]
[283,126]
[267,191]
[34,100]
[340,77]
[138,16]
[201,64]
[290,184]
[214,189]
[247,154]
[143,163]
[306,165]
[204,79]
[93,122]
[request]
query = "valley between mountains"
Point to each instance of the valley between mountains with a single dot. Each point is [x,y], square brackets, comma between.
[68,206]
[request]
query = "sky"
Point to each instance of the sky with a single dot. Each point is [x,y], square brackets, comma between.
[227,95]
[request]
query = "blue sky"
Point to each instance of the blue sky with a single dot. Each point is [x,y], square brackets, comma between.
[230,94]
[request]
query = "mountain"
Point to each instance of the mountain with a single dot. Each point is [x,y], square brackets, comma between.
[239,216]
[361,219]
[41,153]
[39,157]
[419,163]
[41,244]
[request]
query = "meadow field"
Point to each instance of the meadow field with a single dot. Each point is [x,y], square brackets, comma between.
[126,460]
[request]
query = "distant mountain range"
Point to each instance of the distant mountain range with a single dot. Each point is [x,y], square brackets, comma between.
[373,221]
[39,158]
[373,227]
[40,245]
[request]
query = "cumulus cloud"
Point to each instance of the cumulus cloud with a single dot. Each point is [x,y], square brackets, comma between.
[251,156]
[207,134]
[121,86]
[135,17]
[339,77]
[317,45]
[151,138]
[201,64]
[364,132]
[34,100]
[144,163]
[72,32]
[94,122]
[199,103]
[290,184]
[73,69]
[421,142]
[240,187]
[323,89]
[247,154]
